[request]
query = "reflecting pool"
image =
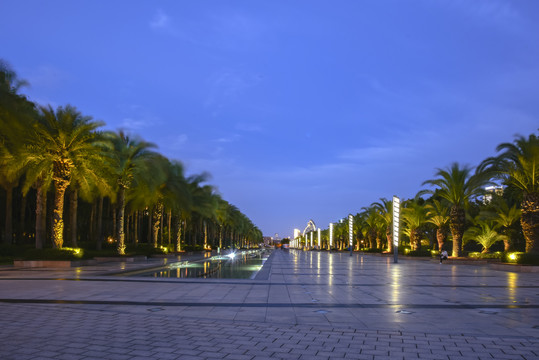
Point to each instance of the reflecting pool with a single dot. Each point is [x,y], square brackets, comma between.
[234,265]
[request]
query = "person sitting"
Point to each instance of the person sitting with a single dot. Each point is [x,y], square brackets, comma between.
[443,256]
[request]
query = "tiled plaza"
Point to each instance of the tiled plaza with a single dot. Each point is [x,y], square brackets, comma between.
[303,305]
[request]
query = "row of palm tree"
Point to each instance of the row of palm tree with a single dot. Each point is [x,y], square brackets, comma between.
[459,206]
[46,151]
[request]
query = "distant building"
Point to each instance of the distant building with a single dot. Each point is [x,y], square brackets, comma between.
[268,240]
[498,190]
[297,233]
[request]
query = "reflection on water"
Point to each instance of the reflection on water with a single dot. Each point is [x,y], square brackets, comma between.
[395,273]
[512,280]
[243,265]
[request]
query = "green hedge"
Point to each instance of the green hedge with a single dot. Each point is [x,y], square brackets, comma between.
[54,254]
[521,258]
[372,250]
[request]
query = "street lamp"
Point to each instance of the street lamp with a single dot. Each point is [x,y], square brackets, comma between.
[330,236]
[396,219]
[351,231]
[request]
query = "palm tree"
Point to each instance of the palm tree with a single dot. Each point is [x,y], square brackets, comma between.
[16,116]
[438,215]
[90,186]
[484,232]
[503,216]
[385,213]
[414,217]
[132,160]
[176,198]
[518,165]
[62,142]
[372,223]
[458,186]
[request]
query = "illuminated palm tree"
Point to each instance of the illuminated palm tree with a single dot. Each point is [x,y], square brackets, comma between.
[414,217]
[133,163]
[458,186]
[484,232]
[16,116]
[518,165]
[62,142]
[438,215]
[385,213]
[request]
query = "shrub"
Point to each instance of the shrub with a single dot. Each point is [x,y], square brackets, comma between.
[193,247]
[148,249]
[478,255]
[372,250]
[416,253]
[54,254]
[521,258]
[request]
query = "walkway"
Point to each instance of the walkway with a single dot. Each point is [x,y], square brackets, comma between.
[310,306]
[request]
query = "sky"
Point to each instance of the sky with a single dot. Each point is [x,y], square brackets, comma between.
[299,109]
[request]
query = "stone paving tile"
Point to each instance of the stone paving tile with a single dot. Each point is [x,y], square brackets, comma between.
[131,332]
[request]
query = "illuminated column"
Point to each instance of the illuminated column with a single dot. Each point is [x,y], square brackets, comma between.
[396,227]
[351,231]
[311,239]
[319,240]
[330,235]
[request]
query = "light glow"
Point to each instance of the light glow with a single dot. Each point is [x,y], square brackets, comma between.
[351,229]
[330,235]
[396,219]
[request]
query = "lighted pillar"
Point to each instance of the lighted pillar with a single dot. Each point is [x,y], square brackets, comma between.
[396,219]
[351,232]
[319,240]
[330,236]
[311,239]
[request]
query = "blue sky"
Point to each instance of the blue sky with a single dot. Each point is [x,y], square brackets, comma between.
[299,109]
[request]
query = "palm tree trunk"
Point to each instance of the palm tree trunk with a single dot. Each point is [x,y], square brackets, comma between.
[22,220]
[73,202]
[456,223]
[389,237]
[158,211]
[128,228]
[120,226]
[169,226]
[114,221]
[440,237]
[530,221]
[8,231]
[415,240]
[99,231]
[178,234]
[91,232]
[41,215]
[58,213]
[135,230]
[205,236]
[220,237]
[149,236]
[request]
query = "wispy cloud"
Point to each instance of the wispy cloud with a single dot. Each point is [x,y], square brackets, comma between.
[163,23]
[46,76]
[229,139]
[385,154]
[228,86]
[492,11]
[138,118]
[160,20]
[250,127]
